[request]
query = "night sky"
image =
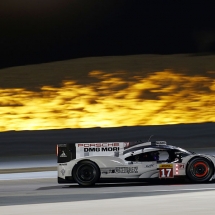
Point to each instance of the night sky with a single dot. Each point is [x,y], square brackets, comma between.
[38,31]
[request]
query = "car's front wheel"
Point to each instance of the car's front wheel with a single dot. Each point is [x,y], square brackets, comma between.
[86,173]
[200,170]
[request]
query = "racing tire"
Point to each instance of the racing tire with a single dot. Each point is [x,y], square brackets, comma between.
[200,170]
[86,173]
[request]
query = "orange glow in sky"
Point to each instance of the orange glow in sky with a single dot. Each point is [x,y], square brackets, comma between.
[163,97]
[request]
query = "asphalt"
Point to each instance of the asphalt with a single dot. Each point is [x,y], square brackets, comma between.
[38,192]
[192,203]
[46,190]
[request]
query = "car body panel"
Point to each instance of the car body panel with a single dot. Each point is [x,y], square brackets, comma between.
[113,160]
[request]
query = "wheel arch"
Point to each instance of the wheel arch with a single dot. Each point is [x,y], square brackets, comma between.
[80,161]
[201,156]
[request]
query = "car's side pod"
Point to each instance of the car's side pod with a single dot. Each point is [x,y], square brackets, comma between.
[200,169]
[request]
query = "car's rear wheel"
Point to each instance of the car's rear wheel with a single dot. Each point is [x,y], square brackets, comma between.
[200,170]
[86,173]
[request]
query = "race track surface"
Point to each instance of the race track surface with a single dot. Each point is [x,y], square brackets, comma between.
[45,195]
[38,192]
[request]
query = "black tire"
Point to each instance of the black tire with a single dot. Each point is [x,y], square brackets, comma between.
[200,170]
[86,173]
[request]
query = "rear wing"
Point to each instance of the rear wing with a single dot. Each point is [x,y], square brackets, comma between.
[71,151]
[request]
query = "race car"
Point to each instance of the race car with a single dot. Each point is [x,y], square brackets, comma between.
[90,163]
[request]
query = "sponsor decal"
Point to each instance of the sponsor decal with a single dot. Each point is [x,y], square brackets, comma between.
[107,171]
[150,165]
[63,155]
[161,142]
[63,171]
[99,145]
[103,149]
[63,164]
[61,145]
[166,171]
[181,166]
[166,166]
[126,170]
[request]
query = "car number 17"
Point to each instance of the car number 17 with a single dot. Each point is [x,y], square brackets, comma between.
[166,171]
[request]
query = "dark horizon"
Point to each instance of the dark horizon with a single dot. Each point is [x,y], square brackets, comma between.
[38,32]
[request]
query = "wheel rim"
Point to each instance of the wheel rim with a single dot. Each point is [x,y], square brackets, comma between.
[86,173]
[200,169]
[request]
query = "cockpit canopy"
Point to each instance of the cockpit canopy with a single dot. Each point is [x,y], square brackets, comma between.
[154,151]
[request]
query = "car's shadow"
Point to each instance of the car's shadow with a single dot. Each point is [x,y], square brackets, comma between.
[119,184]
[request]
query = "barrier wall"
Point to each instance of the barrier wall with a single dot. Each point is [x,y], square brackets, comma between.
[18,143]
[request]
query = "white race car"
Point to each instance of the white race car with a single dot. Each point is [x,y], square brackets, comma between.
[89,163]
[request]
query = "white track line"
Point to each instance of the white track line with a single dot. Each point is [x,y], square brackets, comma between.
[197,203]
[28,175]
